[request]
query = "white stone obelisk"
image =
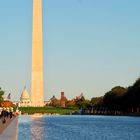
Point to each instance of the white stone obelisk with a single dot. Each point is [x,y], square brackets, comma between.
[37,91]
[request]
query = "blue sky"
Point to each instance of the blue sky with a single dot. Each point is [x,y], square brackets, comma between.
[89,46]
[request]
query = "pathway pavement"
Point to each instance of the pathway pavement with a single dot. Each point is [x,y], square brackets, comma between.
[11,132]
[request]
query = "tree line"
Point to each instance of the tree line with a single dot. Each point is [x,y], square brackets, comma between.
[119,100]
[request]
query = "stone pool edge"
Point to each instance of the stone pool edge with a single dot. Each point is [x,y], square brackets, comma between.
[11,132]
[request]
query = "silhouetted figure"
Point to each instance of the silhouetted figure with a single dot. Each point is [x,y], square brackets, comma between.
[3,115]
[11,114]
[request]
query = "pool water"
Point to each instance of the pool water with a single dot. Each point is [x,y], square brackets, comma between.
[78,128]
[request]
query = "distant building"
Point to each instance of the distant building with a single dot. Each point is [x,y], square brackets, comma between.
[78,97]
[56,102]
[70,103]
[25,99]
[53,101]
[63,100]
[15,103]
[46,103]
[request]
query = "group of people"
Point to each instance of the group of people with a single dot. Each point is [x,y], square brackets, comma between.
[6,113]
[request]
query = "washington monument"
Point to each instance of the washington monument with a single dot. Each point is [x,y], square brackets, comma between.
[37,89]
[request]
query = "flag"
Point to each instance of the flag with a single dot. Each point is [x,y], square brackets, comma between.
[9,96]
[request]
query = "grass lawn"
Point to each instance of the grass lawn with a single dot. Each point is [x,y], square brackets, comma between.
[59,110]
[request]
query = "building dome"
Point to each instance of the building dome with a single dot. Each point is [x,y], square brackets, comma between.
[25,98]
[24,95]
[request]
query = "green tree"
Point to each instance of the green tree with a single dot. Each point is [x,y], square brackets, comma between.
[79,102]
[97,101]
[114,98]
[1,95]
[132,97]
[82,103]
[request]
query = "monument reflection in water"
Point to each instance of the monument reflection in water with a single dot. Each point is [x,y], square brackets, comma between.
[79,128]
[31,128]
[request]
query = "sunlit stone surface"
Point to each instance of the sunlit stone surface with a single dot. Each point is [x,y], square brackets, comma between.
[25,98]
[37,93]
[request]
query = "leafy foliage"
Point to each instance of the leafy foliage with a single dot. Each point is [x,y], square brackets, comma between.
[1,95]
[113,99]
[82,103]
[118,99]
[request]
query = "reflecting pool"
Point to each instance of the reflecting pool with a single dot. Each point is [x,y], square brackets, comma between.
[78,128]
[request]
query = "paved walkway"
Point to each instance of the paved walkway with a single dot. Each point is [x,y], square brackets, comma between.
[10,133]
[3,126]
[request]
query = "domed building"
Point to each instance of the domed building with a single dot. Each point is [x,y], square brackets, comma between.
[25,99]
